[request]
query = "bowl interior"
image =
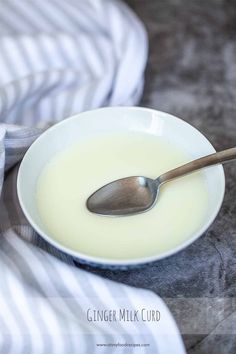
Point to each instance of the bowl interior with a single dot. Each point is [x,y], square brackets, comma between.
[112,119]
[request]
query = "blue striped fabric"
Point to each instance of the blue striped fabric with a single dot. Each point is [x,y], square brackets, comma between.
[58,58]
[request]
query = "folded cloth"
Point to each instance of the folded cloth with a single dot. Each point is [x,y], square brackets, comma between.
[58,58]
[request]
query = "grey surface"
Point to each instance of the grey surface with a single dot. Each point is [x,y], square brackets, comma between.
[192,73]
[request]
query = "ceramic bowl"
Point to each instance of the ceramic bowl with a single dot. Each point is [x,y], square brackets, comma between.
[111,119]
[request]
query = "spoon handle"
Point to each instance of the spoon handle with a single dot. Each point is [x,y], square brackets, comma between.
[213,159]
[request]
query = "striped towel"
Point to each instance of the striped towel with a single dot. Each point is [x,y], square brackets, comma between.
[58,58]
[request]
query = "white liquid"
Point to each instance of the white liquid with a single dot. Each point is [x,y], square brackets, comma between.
[73,175]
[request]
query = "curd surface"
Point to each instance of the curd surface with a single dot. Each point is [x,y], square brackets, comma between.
[74,174]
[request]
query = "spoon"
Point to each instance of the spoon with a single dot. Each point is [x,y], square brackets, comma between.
[138,194]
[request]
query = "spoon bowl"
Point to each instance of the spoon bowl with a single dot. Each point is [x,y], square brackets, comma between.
[125,196]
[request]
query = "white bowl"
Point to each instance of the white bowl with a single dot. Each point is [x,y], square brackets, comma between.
[111,119]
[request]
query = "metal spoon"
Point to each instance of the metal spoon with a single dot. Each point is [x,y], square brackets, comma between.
[138,194]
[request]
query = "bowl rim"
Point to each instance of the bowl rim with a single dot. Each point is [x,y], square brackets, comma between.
[89,259]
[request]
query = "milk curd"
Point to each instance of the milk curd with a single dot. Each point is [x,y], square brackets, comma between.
[73,175]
